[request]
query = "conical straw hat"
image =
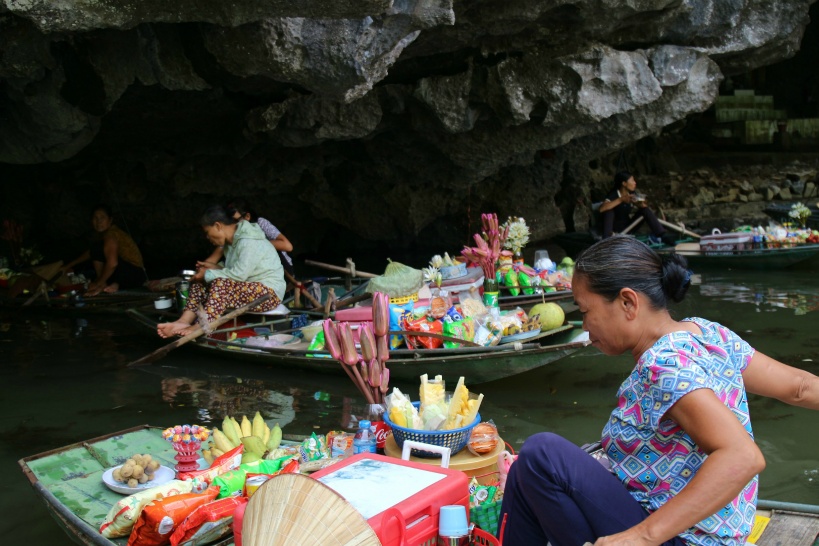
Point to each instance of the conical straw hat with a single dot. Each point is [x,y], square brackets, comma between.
[294,509]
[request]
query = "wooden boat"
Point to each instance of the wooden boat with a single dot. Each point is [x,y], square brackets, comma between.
[756,258]
[55,302]
[69,482]
[274,347]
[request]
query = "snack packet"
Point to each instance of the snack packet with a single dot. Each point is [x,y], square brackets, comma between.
[313,448]
[397,313]
[462,329]
[423,324]
[228,461]
[159,518]
[510,280]
[208,523]
[122,516]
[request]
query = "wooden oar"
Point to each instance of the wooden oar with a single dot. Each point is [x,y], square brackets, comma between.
[347,270]
[162,351]
[679,229]
[305,293]
[632,225]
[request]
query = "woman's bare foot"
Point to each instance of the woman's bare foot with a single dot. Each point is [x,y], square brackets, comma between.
[170,329]
[189,330]
[92,291]
[111,288]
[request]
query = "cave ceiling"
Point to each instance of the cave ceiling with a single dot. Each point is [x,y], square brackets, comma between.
[384,120]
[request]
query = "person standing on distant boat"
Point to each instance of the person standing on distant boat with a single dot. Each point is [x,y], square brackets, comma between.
[241,211]
[116,257]
[618,212]
[682,462]
[251,270]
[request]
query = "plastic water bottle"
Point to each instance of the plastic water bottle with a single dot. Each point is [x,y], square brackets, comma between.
[364,441]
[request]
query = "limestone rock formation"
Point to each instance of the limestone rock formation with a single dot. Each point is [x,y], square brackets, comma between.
[395,120]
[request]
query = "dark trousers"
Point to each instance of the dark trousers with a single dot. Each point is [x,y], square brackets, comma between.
[557,492]
[610,226]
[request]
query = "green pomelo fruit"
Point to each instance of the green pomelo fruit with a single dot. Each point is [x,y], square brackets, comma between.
[551,315]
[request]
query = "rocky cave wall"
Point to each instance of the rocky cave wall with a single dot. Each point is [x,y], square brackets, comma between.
[352,125]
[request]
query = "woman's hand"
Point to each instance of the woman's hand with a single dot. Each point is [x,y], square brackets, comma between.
[626,538]
[626,198]
[206,265]
[199,276]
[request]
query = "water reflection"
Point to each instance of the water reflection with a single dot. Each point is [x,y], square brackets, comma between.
[763,291]
[220,396]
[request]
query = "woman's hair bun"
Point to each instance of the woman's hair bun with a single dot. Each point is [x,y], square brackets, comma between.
[676,276]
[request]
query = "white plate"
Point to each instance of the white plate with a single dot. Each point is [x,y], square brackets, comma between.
[162,475]
[521,336]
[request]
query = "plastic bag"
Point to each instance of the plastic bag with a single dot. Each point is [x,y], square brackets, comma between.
[122,516]
[484,438]
[439,303]
[471,306]
[401,410]
[433,408]
[208,523]
[487,333]
[160,517]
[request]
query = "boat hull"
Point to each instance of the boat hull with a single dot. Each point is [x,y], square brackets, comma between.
[479,364]
[757,259]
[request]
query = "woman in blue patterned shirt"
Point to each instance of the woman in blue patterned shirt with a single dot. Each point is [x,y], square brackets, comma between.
[682,464]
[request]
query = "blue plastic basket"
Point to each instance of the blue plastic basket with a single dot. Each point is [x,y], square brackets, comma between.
[455,439]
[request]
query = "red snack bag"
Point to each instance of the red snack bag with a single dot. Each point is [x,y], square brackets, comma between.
[160,517]
[208,523]
[423,325]
[224,463]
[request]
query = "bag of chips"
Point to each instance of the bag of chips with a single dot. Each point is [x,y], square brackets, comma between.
[122,516]
[423,324]
[462,329]
[228,461]
[208,523]
[159,518]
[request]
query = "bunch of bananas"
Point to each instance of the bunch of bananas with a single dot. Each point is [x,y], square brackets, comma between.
[255,435]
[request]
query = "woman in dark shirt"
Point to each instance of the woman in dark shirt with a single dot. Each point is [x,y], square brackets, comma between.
[618,212]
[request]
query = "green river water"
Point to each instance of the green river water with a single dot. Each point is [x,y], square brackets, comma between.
[64,380]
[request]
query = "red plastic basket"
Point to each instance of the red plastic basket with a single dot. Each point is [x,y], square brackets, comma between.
[482,538]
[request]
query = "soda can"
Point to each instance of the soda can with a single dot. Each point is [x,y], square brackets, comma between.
[253,483]
[183,289]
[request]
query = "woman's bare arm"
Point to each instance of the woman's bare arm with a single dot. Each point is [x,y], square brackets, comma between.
[733,460]
[769,377]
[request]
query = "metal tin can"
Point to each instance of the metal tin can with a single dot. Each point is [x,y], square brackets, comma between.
[182,292]
[253,483]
